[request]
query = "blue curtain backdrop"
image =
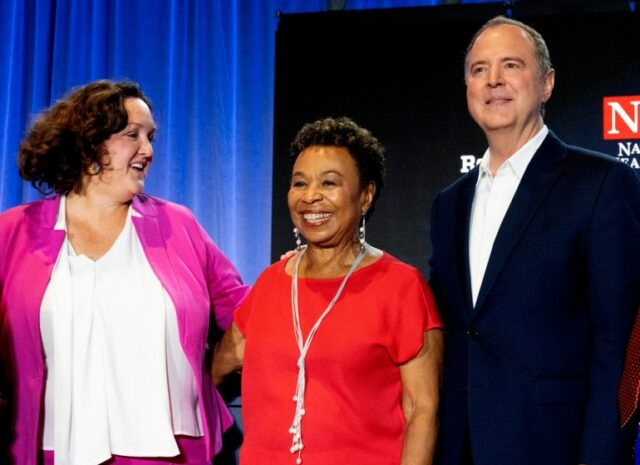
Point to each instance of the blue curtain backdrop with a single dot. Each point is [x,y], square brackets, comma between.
[208,67]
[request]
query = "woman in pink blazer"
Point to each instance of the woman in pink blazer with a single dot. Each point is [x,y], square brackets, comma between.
[106,296]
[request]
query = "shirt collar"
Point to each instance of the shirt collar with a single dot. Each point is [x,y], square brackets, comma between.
[61,223]
[517,162]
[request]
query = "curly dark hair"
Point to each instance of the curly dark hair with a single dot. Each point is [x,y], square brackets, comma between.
[366,150]
[68,137]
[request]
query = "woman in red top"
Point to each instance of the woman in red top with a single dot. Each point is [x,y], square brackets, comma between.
[339,345]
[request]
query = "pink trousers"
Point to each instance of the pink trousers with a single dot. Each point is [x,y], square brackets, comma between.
[192,452]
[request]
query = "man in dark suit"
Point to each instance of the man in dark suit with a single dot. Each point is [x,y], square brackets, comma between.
[536,270]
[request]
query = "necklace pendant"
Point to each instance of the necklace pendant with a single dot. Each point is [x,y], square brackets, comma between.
[296,428]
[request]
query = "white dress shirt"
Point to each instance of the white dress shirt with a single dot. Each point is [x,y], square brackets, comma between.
[118,381]
[491,201]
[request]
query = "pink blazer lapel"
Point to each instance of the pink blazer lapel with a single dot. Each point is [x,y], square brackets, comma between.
[152,235]
[44,244]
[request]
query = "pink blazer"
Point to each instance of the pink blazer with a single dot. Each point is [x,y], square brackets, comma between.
[195,273]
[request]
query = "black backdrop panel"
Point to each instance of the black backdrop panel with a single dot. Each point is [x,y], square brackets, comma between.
[399,73]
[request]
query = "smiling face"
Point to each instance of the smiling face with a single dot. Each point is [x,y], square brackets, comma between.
[505,88]
[325,198]
[128,153]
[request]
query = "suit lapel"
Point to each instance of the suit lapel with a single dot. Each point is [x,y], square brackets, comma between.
[45,243]
[538,178]
[151,235]
[463,218]
[46,240]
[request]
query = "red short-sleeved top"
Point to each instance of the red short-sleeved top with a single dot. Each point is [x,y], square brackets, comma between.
[353,391]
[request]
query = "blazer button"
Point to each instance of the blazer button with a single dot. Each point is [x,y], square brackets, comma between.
[472,333]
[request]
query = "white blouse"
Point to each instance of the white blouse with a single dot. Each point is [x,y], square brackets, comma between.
[118,381]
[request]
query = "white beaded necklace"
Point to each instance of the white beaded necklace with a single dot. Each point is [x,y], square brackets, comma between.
[303,346]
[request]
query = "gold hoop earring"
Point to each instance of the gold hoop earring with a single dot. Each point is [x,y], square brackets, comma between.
[94,168]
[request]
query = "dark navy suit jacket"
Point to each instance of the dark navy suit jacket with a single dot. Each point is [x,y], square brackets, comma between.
[533,368]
